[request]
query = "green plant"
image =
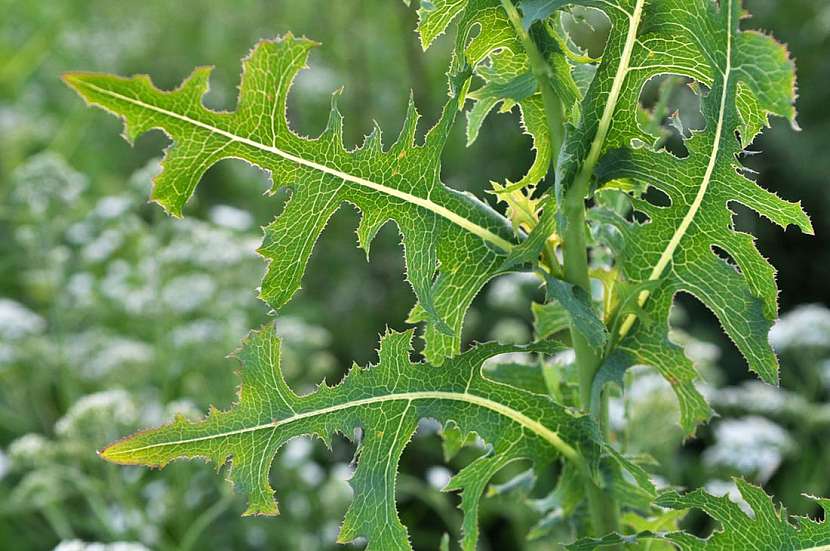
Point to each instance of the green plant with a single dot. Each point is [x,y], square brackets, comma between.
[655,221]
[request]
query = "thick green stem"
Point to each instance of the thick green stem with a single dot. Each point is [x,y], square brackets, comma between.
[576,272]
[603,508]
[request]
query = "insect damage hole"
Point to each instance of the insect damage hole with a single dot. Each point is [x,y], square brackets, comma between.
[587,30]
[669,110]
[724,255]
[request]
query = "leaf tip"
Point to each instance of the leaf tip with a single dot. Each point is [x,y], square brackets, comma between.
[76,81]
[71,79]
[118,453]
[806,223]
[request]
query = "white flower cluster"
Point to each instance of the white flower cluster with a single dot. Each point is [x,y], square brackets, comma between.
[115,407]
[807,326]
[197,333]
[189,292]
[17,321]
[46,178]
[96,353]
[207,246]
[21,122]
[646,391]
[29,449]
[751,445]
[131,285]
[106,43]
[761,398]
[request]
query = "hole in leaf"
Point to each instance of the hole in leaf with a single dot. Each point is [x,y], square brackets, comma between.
[657,197]
[726,257]
[639,217]
[669,111]
[588,29]
[423,473]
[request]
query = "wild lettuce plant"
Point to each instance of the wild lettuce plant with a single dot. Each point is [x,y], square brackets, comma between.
[611,220]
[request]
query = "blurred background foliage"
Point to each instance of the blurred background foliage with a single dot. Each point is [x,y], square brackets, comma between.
[114,317]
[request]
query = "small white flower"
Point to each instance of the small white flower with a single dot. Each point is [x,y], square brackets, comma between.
[80,233]
[616,413]
[701,352]
[647,385]
[256,536]
[510,331]
[130,286]
[330,531]
[759,397]
[157,495]
[140,180]
[321,78]
[428,426]
[342,472]
[564,358]
[123,520]
[298,504]
[8,353]
[5,465]
[207,246]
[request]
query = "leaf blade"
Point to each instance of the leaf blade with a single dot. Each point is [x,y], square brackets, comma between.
[385,401]
[443,230]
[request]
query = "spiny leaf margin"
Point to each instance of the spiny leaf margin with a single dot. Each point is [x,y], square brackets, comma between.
[453,243]
[385,402]
[766,527]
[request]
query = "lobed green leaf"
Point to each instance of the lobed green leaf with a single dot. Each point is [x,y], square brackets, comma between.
[384,403]
[453,243]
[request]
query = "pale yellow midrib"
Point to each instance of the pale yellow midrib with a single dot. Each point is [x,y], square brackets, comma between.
[610,108]
[532,425]
[680,232]
[440,210]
